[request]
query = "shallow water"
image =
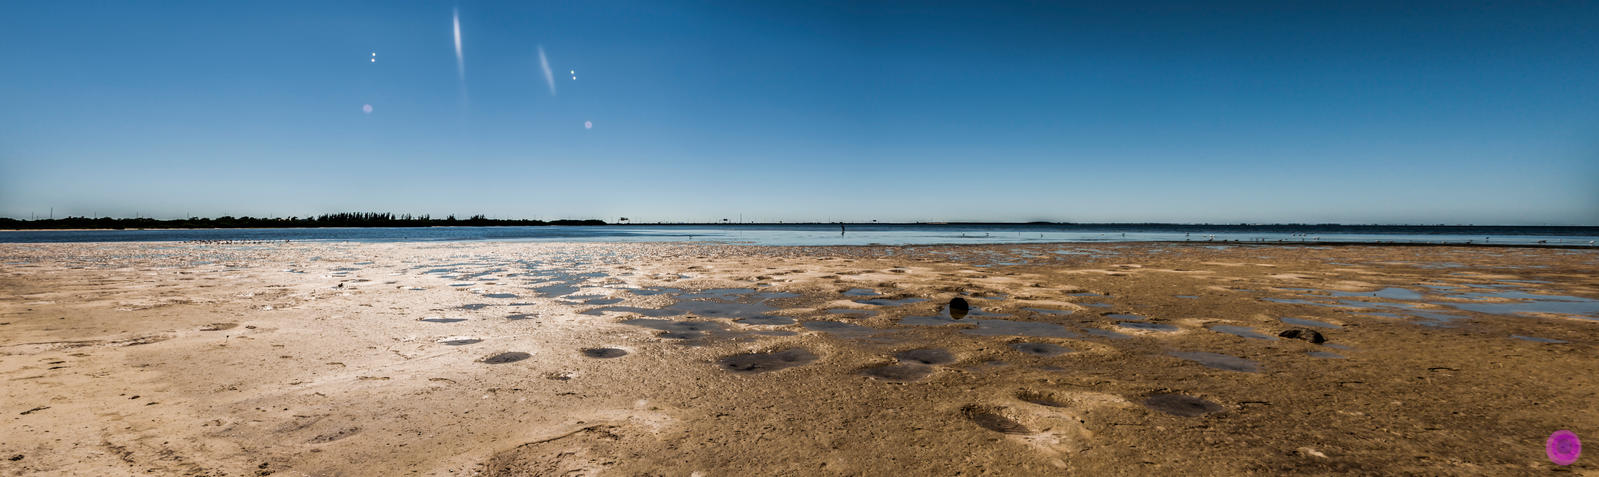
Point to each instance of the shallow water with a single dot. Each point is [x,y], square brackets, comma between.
[1243,331]
[1048,311]
[887,302]
[1139,325]
[1019,328]
[1218,361]
[765,320]
[1308,322]
[650,312]
[1105,333]
[1527,303]
[838,327]
[721,309]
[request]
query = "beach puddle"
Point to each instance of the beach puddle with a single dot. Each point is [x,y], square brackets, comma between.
[929,321]
[678,330]
[852,312]
[1306,322]
[1386,293]
[1139,325]
[522,316]
[474,306]
[888,302]
[655,291]
[603,353]
[724,294]
[837,327]
[502,358]
[1218,361]
[1243,331]
[1040,349]
[499,295]
[1536,339]
[1526,303]
[1048,311]
[1019,328]
[602,301]
[559,290]
[926,356]
[1124,316]
[1106,333]
[721,309]
[1181,405]
[900,372]
[861,292]
[435,319]
[750,363]
[650,312]
[765,320]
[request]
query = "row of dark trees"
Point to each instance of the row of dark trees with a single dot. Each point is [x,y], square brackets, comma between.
[346,219]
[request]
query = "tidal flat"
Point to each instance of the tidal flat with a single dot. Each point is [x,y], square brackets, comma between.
[503,358]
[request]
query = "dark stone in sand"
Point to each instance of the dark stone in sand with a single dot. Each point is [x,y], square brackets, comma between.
[899,371]
[988,419]
[1312,336]
[503,358]
[604,352]
[763,362]
[958,308]
[926,356]
[1180,405]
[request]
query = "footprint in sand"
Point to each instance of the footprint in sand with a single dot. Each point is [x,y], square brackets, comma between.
[507,357]
[1180,405]
[749,363]
[604,353]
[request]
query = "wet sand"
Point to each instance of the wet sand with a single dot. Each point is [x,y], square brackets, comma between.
[677,359]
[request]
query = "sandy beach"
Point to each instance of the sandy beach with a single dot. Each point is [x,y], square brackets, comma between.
[503,358]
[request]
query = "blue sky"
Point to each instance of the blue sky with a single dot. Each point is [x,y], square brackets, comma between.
[1279,111]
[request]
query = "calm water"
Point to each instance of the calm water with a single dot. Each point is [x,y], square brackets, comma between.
[857,234]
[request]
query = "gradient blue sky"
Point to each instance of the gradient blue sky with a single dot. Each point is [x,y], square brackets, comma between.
[1272,111]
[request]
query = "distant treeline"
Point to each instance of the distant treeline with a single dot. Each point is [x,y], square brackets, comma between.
[349,219]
